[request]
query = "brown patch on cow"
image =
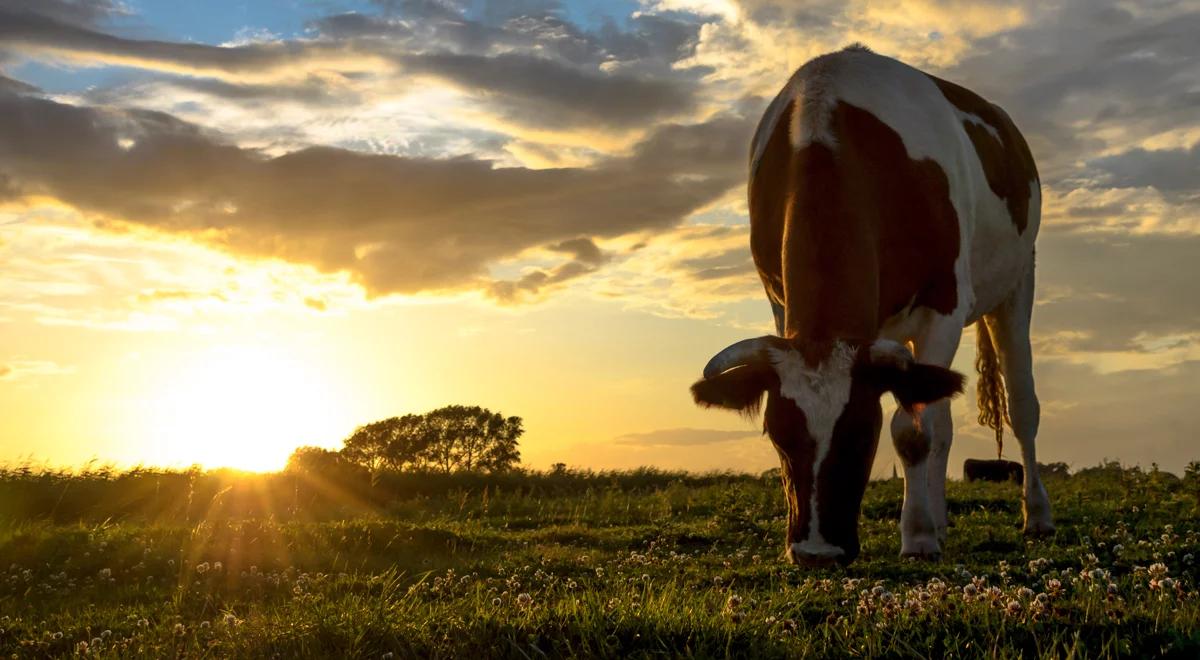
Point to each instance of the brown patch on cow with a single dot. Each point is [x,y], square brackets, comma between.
[1007,162]
[849,237]
[912,445]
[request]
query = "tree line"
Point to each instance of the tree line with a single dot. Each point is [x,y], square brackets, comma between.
[450,439]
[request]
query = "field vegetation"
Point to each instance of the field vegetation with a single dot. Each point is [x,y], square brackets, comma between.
[150,563]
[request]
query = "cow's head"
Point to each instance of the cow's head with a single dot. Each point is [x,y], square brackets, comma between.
[823,415]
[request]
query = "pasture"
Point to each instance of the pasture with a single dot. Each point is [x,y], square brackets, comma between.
[632,564]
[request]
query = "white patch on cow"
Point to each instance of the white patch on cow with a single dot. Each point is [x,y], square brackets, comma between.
[822,393]
[811,89]
[818,547]
[886,351]
[975,119]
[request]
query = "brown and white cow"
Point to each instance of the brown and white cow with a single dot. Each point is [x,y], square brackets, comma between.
[889,209]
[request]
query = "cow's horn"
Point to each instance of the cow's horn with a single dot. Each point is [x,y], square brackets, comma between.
[743,352]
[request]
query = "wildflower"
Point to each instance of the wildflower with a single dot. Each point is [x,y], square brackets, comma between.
[969,590]
[143,623]
[81,648]
[229,619]
[179,629]
[217,566]
[1026,593]
[1013,608]
[105,573]
[106,634]
[524,600]
[1042,598]
[733,602]
[202,567]
[204,625]
[496,602]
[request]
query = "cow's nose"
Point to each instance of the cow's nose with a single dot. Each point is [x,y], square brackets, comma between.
[815,555]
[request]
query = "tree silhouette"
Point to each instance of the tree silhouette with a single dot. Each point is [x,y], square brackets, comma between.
[449,439]
[392,443]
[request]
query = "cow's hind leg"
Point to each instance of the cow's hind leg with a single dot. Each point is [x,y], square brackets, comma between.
[924,447]
[1009,327]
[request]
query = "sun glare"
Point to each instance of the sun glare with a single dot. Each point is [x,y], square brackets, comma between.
[244,407]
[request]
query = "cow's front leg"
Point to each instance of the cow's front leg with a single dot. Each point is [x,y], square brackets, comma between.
[924,447]
[918,534]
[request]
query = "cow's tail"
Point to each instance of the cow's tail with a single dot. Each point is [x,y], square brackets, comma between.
[991,395]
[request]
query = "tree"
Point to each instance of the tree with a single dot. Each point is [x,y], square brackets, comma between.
[392,443]
[473,439]
[314,460]
[467,438]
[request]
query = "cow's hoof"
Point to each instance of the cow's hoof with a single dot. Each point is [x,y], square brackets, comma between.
[1039,528]
[924,547]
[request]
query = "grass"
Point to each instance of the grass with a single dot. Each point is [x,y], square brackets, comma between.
[635,564]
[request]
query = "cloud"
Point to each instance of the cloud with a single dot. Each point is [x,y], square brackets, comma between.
[22,369]
[397,225]
[1088,305]
[546,94]
[586,258]
[1175,171]
[683,437]
[39,32]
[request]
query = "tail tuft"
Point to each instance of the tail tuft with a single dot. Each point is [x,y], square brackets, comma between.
[991,394]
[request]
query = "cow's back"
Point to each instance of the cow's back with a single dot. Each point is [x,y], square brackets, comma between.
[867,186]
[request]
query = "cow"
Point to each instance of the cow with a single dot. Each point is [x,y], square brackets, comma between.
[889,210]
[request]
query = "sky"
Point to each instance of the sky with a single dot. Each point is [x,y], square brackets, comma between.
[230,228]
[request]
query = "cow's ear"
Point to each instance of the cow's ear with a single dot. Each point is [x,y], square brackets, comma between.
[891,367]
[740,388]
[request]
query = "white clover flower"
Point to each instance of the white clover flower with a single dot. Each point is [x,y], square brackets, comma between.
[524,600]
[1026,593]
[733,602]
[1013,607]
[105,573]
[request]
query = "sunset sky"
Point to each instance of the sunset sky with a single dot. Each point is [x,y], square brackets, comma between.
[228,228]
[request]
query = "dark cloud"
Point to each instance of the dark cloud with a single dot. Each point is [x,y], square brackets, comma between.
[544,93]
[76,12]
[396,224]
[1172,171]
[1086,69]
[586,258]
[684,437]
[13,86]
[1115,288]
[540,79]
[40,30]
[734,263]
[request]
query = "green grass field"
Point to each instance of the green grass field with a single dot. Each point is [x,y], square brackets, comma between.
[152,564]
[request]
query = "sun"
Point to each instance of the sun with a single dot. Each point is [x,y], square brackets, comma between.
[240,406]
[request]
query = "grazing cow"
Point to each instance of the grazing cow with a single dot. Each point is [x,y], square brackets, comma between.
[889,209]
